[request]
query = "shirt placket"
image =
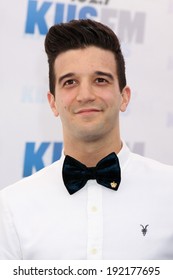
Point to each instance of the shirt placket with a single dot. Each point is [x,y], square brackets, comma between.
[95,221]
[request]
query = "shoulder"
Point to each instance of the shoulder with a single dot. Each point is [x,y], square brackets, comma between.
[149,162]
[150,166]
[41,179]
[136,163]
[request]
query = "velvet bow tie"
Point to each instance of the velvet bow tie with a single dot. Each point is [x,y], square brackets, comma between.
[107,173]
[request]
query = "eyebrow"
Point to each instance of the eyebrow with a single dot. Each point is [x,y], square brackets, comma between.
[68,75]
[109,75]
[99,73]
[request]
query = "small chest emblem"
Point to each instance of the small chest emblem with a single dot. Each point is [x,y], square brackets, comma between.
[144,229]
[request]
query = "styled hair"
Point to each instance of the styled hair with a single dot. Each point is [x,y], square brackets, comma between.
[79,34]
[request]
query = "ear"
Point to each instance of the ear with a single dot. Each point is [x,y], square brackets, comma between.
[52,103]
[126,93]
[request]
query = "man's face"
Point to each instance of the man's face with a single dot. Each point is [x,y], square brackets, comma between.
[87,94]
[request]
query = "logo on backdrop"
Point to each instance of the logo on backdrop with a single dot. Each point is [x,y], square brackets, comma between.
[34,157]
[129,25]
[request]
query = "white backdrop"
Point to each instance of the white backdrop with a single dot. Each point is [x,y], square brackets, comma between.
[30,136]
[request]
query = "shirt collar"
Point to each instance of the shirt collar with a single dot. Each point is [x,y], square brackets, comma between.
[123,155]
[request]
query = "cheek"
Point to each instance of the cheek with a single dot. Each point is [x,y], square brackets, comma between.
[111,98]
[63,103]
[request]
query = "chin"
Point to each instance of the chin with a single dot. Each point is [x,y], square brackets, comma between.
[91,136]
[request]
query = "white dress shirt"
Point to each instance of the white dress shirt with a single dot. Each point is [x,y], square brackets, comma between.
[40,220]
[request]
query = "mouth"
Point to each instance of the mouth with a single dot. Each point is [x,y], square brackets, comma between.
[87,111]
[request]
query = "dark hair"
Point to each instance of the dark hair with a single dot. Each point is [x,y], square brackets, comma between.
[78,34]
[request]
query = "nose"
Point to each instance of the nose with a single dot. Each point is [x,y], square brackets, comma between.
[85,93]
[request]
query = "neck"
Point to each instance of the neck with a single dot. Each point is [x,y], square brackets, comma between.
[90,153]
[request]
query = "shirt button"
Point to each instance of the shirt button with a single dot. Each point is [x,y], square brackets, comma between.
[93,251]
[94,209]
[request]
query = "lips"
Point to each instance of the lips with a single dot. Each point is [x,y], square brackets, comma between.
[87,111]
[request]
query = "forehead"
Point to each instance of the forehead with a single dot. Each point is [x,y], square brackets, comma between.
[85,60]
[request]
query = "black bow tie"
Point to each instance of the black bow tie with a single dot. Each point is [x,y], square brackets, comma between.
[107,173]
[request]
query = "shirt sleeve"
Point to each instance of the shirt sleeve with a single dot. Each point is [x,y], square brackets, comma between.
[9,241]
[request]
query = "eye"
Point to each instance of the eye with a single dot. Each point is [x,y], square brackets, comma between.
[101,80]
[69,83]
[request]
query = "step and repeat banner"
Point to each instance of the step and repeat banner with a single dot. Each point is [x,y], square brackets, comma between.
[31,137]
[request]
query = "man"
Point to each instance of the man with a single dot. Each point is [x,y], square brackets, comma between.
[99,201]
